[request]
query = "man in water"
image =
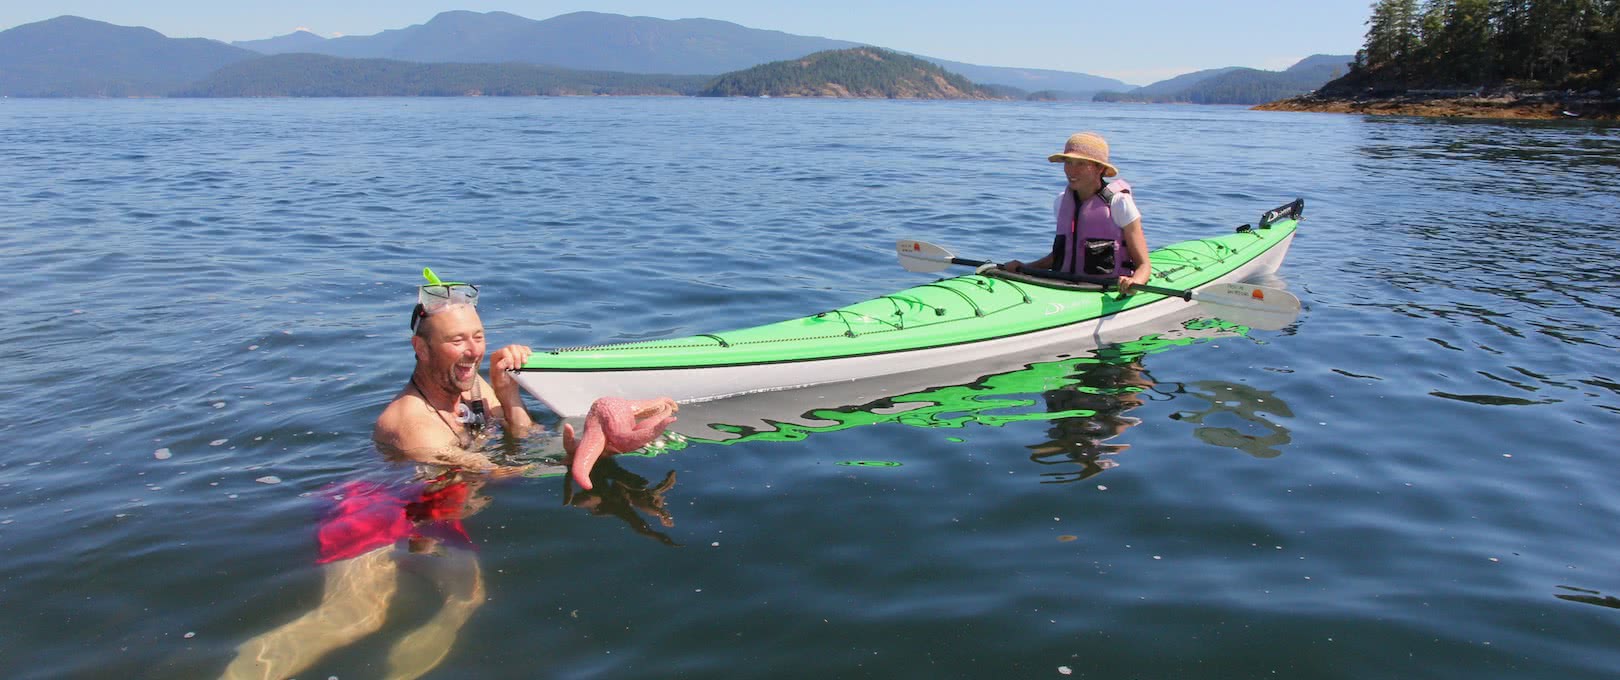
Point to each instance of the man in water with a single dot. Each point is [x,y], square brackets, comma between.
[441,415]
[439,420]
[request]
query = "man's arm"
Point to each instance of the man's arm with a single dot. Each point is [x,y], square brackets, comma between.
[451,456]
[508,396]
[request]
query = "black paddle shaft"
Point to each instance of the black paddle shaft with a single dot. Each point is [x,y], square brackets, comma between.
[1083,278]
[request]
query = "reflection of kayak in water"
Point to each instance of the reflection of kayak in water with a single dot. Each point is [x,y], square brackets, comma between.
[1086,399]
[988,394]
[1236,417]
[953,321]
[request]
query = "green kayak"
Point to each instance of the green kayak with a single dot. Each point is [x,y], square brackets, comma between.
[974,317]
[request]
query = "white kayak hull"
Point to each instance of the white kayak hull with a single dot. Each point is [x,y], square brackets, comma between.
[569,394]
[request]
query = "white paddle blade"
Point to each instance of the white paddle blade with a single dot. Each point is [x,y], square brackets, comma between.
[922,256]
[1259,307]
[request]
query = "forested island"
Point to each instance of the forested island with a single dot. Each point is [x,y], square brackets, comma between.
[854,72]
[1481,58]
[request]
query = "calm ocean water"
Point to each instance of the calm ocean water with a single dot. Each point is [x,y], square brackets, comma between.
[209,304]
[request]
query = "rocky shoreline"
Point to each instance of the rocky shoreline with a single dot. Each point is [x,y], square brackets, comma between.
[1562,105]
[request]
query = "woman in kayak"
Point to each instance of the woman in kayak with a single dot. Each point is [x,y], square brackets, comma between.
[1099,230]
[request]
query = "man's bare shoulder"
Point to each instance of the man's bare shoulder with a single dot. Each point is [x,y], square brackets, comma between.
[407,424]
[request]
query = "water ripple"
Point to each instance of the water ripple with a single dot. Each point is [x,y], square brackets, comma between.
[1413,480]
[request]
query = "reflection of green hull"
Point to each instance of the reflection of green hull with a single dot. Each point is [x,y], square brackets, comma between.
[993,400]
[952,321]
[1097,389]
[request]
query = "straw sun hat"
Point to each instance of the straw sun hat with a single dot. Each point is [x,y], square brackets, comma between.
[1086,146]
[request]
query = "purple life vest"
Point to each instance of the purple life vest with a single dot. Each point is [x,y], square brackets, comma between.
[1088,241]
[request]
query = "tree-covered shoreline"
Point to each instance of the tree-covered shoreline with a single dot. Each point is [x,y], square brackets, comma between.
[1547,44]
[1481,58]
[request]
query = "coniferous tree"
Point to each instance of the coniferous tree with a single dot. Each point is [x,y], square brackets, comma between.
[1512,39]
[1392,39]
[1467,57]
[1380,49]
[1597,59]
[1430,52]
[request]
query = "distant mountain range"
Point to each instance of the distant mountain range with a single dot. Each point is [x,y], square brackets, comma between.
[464,52]
[581,40]
[612,42]
[1235,85]
[1182,82]
[73,57]
[319,75]
[854,72]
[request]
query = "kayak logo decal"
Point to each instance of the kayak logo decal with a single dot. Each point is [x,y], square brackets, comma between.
[1054,308]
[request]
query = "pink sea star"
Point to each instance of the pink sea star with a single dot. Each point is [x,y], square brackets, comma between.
[615,425]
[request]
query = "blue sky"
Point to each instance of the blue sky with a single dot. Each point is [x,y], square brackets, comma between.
[1139,42]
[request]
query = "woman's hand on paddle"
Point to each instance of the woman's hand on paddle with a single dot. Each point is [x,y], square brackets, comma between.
[1126,282]
[1136,247]
[1013,265]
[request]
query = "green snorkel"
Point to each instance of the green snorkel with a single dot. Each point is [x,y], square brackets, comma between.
[433,279]
[437,294]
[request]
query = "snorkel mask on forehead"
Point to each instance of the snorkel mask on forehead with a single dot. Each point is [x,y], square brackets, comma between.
[435,295]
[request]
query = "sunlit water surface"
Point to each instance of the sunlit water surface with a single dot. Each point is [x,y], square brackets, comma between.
[208,305]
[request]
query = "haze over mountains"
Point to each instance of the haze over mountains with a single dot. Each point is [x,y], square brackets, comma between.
[581,40]
[1235,85]
[73,56]
[611,42]
[299,74]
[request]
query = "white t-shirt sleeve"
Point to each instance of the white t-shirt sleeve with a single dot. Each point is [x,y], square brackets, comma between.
[1123,208]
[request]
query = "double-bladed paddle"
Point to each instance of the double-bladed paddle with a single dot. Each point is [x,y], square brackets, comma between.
[1260,307]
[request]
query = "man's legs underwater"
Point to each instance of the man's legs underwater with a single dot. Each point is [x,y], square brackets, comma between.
[458,577]
[353,605]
